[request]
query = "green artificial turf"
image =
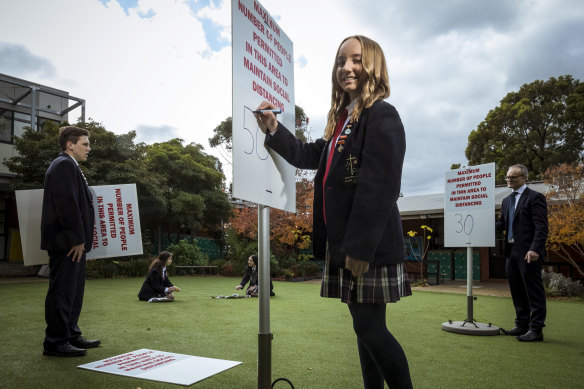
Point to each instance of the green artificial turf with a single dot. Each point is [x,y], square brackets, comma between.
[313,346]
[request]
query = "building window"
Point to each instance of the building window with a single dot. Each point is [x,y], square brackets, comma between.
[14,123]
[41,122]
[6,126]
[21,120]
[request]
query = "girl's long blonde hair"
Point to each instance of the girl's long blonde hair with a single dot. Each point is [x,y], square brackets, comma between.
[374,84]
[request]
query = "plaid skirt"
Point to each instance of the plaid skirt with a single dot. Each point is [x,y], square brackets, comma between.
[381,284]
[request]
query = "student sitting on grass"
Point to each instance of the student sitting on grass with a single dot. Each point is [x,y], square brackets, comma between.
[157,287]
[251,275]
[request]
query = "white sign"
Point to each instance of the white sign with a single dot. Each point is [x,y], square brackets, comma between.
[263,69]
[469,207]
[116,231]
[161,366]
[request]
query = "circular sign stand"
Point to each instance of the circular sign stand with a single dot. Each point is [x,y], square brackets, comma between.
[468,328]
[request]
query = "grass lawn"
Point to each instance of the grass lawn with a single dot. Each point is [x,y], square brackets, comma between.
[314,345]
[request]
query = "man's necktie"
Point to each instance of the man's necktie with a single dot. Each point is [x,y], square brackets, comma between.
[511,214]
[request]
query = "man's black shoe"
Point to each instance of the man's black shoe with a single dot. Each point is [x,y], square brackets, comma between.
[81,342]
[515,331]
[531,336]
[64,350]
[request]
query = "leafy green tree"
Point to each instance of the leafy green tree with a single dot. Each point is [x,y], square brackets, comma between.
[116,159]
[176,185]
[192,184]
[36,150]
[539,126]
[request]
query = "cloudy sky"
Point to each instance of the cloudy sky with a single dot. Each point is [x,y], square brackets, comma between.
[163,67]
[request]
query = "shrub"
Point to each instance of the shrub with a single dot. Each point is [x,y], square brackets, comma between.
[227,269]
[239,247]
[284,263]
[117,268]
[556,285]
[307,268]
[224,267]
[187,254]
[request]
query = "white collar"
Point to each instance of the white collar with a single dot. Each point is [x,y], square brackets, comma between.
[520,190]
[70,156]
[350,107]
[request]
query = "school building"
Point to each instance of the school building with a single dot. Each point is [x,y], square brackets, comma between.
[24,104]
[450,263]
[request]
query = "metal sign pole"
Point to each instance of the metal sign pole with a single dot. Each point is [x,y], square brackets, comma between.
[469,299]
[469,326]
[264,334]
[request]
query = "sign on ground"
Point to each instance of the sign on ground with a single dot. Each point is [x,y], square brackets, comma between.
[161,366]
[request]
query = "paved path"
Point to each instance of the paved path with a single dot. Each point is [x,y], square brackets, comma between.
[459,286]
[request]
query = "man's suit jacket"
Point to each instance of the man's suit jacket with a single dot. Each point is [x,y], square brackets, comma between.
[362,186]
[67,216]
[530,224]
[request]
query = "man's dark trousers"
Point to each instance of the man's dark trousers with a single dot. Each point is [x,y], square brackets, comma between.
[527,291]
[64,298]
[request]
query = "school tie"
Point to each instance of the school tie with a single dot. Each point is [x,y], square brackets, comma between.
[338,129]
[89,195]
[82,175]
[511,214]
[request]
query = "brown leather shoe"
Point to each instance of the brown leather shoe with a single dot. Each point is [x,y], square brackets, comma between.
[531,336]
[64,350]
[515,331]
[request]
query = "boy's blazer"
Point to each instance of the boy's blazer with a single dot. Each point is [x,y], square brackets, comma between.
[67,218]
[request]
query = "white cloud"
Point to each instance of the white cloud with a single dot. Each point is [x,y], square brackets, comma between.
[157,70]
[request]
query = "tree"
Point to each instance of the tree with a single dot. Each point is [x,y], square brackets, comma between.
[540,126]
[566,212]
[193,186]
[116,159]
[36,150]
[178,185]
[289,232]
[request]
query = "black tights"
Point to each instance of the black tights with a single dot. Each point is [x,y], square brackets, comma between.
[382,357]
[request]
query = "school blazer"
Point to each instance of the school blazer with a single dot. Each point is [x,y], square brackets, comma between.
[67,213]
[530,224]
[362,187]
[154,285]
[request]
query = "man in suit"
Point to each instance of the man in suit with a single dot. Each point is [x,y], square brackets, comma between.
[524,218]
[66,233]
